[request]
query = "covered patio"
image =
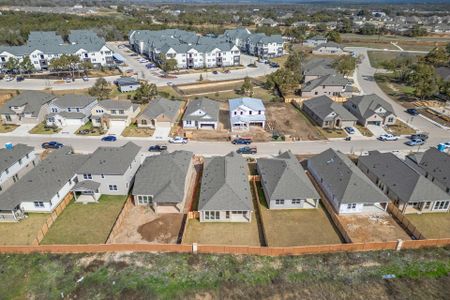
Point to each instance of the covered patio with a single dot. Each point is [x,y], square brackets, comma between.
[86,191]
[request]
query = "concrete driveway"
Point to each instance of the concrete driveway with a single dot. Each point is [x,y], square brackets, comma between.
[161,134]
[69,129]
[22,130]
[376,130]
[116,128]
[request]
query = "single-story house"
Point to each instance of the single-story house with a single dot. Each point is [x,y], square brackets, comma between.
[28,107]
[201,114]
[15,162]
[434,165]
[109,170]
[225,194]
[160,112]
[285,183]
[70,110]
[315,41]
[327,113]
[246,112]
[43,187]
[371,110]
[110,113]
[127,84]
[318,67]
[346,186]
[335,86]
[329,48]
[409,190]
[163,181]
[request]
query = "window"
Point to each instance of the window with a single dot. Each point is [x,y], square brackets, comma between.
[113,187]
[279,202]
[121,112]
[144,122]
[27,155]
[390,119]
[7,171]
[227,214]
[351,206]
[102,175]
[87,176]
[8,118]
[206,215]
[441,205]
[296,201]
[113,112]
[20,161]
[250,112]
[54,109]
[38,204]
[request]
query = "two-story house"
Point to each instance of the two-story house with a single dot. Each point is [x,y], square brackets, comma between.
[28,107]
[334,86]
[246,112]
[70,110]
[113,113]
[201,114]
[15,162]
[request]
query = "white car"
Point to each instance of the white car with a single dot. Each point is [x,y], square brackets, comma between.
[178,140]
[9,78]
[388,137]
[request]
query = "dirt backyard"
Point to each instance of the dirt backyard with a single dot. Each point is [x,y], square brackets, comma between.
[374,227]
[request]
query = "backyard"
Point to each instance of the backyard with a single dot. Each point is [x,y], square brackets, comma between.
[432,225]
[222,233]
[23,232]
[296,227]
[86,223]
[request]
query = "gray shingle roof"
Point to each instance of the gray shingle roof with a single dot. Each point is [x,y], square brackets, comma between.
[45,180]
[367,104]
[32,100]
[225,184]
[319,67]
[86,185]
[162,107]
[407,183]
[322,106]
[68,115]
[328,80]
[284,178]
[110,160]
[164,176]
[73,101]
[127,81]
[110,104]
[210,108]
[10,157]
[328,45]
[344,180]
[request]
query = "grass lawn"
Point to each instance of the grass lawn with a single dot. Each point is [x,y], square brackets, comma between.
[41,128]
[364,131]
[4,128]
[332,133]
[134,131]
[168,92]
[258,92]
[395,90]
[93,131]
[376,58]
[280,60]
[23,232]
[432,225]
[222,233]
[296,227]
[400,128]
[86,223]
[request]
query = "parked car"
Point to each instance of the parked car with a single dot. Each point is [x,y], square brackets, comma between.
[415,142]
[263,61]
[227,71]
[109,138]
[20,78]
[157,148]
[241,141]
[215,72]
[178,140]
[52,145]
[9,78]
[247,150]
[274,65]
[252,65]
[420,136]
[67,80]
[150,66]
[350,130]
[387,137]
[85,78]
[412,111]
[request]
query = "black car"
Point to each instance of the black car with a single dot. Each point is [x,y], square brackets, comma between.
[419,136]
[247,150]
[20,78]
[52,145]
[157,148]
[241,141]
[412,111]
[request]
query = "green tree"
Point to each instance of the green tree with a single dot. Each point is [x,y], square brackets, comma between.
[146,92]
[334,36]
[167,65]
[438,56]
[26,65]
[417,30]
[247,87]
[424,80]
[448,48]
[345,25]
[101,89]
[345,65]
[368,29]
[401,67]
[282,80]
[12,64]
[294,64]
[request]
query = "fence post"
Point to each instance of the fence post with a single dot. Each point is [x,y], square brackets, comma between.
[399,245]
[194,248]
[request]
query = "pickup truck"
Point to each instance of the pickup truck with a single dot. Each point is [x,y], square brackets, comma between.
[178,140]
[247,150]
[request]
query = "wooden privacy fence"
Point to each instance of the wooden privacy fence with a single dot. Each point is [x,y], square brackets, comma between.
[51,219]
[120,218]
[404,222]
[258,208]
[224,249]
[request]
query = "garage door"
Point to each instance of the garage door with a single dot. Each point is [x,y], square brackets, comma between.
[116,127]
[377,123]
[207,126]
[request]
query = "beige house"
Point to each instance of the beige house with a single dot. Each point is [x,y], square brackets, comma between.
[160,112]
[334,86]
[371,110]
[110,113]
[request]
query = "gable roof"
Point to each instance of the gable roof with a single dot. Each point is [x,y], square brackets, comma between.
[408,184]
[322,106]
[10,157]
[252,103]
[210,107]
[110,160]
[344,180]
[164,176]
[110,104]
[127,81]
[73,101]
[319,67]
[32,100]
[43,181]
[284,178]
[225,184]
[328,80]
[162,107]
[328,45]
[367,104]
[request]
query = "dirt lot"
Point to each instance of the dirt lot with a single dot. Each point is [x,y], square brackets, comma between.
[287,120]
[377,227]
[222,233]
[432,225]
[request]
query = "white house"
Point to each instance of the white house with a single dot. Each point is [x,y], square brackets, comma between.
[15,163]
[246,112]
[70,110]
